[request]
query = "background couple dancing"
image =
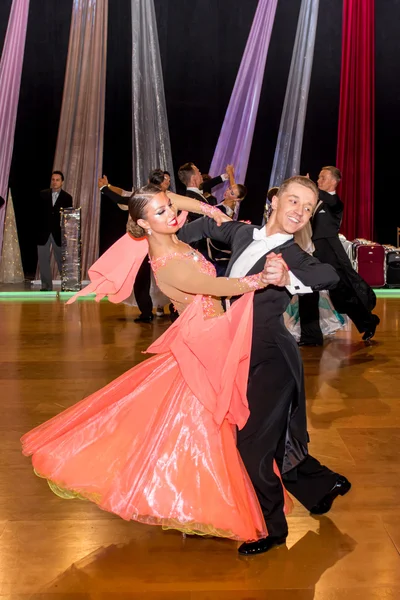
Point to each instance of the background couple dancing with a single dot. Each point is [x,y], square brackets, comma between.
[207,435]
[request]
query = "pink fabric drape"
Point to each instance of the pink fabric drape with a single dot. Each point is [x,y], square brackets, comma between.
[10,82]
[79,151]
[355,149]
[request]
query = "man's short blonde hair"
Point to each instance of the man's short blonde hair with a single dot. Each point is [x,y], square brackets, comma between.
[336,174]
[302,181]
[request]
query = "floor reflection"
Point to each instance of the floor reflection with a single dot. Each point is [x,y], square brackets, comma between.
[167,563]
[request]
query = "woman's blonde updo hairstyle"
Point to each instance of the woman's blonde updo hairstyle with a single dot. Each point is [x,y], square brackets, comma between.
[137,208]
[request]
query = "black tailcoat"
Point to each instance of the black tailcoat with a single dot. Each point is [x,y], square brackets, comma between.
[269,330]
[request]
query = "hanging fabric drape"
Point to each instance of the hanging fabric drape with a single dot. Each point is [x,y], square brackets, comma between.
[150,135]
[10,81]
[236,137]
[291,129]
[355,150]
[79,151]
[10,263]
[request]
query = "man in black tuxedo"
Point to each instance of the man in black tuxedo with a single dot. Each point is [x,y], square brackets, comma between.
[353,296]
[48,228]
[192,179]
[277,429]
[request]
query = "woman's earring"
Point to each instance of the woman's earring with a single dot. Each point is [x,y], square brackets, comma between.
[148,231]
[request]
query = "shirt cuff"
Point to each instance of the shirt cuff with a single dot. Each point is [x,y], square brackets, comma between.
[296,286]
[102,187]
[224,177]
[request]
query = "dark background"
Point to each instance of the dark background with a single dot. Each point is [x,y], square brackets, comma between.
[201,43]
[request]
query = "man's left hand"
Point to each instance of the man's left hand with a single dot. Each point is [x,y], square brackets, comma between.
[276,271]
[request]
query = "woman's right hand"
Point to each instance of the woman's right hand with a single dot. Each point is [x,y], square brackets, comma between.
[220,217]
[214,213]
[276,271]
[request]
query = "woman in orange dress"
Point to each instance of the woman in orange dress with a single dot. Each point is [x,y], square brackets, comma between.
[157,444]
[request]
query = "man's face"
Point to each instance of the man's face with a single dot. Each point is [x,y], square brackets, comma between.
[56,182]
[197,177]
[293,209]
[326,181]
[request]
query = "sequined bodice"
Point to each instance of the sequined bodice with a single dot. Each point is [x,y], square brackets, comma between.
[211,306]
[204,265]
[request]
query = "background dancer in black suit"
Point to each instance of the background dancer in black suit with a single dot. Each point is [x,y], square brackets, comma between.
[352,296]
[48,228]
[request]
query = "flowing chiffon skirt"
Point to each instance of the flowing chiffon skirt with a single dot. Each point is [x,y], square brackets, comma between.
[330,320]
[158,445]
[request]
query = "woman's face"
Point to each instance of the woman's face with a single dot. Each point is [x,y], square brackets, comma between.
[232,193]
[166,183]
[160,215]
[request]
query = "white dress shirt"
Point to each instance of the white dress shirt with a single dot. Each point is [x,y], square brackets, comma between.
[224,177]
[260,245]
[195,189]
[54,196]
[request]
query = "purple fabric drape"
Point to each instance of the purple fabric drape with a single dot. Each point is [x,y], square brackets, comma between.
[10,81]
[79,151]
[235,139]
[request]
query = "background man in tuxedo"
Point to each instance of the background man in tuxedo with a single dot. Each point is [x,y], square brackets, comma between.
[48,228]
[192,179]
[353,296]
[277,427]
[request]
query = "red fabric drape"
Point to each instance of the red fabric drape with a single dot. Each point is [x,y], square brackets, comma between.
[355,149]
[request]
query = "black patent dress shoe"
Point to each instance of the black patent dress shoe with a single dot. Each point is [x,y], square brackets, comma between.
[369,334]
[341,487]
[143,319]
[310,344]
[263,545]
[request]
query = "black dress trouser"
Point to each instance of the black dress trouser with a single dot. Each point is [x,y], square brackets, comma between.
[344,296]
[271,392]
[141,289]
[310,329]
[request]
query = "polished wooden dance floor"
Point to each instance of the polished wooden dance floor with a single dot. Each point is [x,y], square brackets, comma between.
[53,355]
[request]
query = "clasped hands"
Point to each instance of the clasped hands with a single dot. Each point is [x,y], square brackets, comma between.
[276,271]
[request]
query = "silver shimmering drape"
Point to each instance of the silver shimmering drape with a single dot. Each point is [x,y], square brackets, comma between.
[290,136]
[71,250]
[79,151]
[150,135]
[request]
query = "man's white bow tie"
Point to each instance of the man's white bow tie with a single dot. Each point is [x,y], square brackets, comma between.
[259,234]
